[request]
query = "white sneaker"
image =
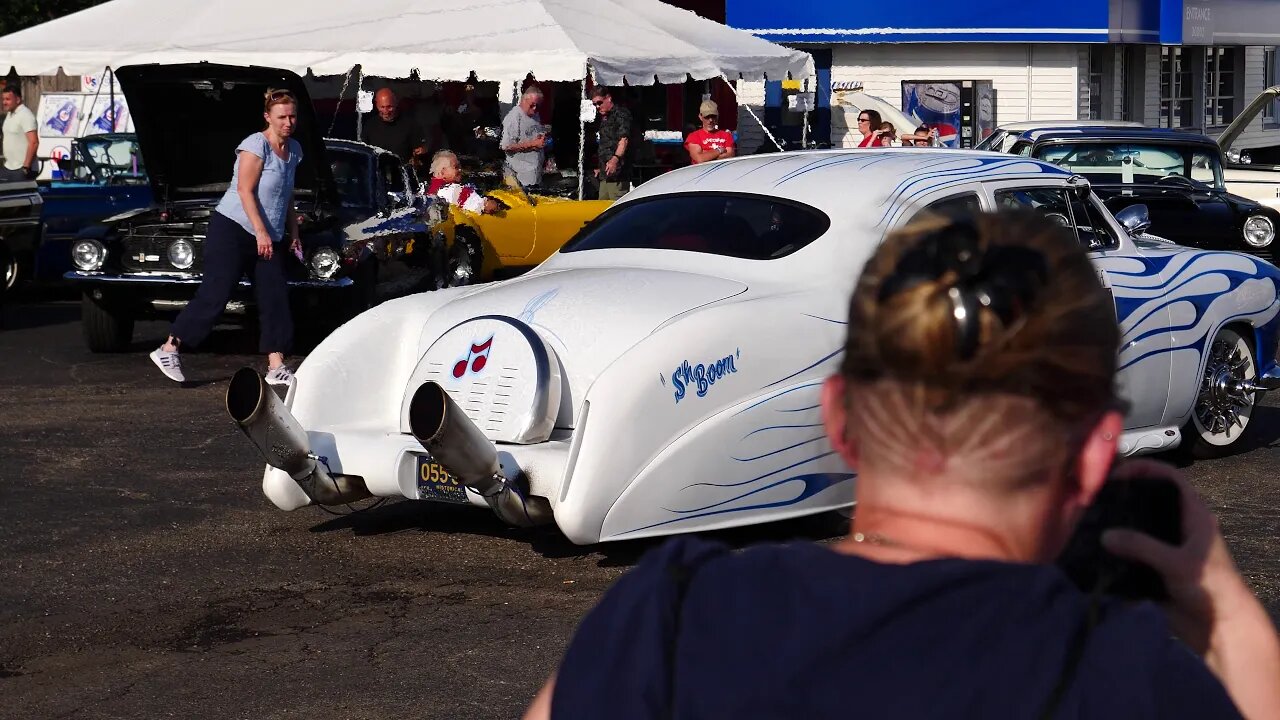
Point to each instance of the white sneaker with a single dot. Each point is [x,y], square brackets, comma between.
[280,376]
[169,363]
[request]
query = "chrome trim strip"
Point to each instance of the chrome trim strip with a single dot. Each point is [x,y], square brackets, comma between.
[187,279]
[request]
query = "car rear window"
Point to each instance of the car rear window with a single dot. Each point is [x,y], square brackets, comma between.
[731,224]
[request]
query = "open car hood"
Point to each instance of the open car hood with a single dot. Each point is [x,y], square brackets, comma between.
[1246,116]
[190,118]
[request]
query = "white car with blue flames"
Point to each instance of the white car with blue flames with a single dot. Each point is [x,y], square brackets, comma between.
[661,373]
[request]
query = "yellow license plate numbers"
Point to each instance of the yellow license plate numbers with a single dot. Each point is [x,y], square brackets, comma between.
[435,483]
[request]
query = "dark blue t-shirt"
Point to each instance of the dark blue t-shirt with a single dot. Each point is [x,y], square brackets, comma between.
[804,632]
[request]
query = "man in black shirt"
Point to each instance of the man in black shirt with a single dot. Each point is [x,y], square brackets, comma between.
[401,133]
[614,136]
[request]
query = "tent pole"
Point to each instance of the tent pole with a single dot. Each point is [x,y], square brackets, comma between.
[359,115]
[112,105]
[804,130]
[582,134]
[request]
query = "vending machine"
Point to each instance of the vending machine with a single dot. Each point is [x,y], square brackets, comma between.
[962,111]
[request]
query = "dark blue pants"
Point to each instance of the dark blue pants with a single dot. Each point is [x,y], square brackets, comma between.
[230,253]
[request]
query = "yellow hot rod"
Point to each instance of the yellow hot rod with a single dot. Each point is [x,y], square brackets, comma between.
[526,229]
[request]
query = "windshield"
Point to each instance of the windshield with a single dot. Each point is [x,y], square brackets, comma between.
[992,141]
[351,174]
[1137,163]
[107,159]
[736,225]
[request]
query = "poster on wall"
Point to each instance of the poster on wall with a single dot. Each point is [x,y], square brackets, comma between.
[962,111]
[104,114]
[936,104]
[59,114]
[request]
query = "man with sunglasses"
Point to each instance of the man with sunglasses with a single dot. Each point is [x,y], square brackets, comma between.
[613,136]
[709,142]
[524,138]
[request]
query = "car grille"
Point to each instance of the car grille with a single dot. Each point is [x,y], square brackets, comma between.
[146,247]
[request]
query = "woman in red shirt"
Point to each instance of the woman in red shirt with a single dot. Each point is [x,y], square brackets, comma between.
[869,125]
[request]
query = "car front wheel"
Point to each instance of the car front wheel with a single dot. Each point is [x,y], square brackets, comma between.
[1223,402]
[11,266]
[465,260]
[107,327]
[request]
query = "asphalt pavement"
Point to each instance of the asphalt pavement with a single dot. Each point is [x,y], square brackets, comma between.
[143,574]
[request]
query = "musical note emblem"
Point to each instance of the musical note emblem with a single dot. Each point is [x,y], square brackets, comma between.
[476,358]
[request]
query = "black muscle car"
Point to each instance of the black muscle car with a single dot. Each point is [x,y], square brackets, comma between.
[1178,176]
[364,232]
[20,205]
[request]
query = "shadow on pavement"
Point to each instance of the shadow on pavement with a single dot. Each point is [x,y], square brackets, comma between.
[397,516]
[26,315]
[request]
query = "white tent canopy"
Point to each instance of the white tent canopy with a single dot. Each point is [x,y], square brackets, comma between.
[635,40]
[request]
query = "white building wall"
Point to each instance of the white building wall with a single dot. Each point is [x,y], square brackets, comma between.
[750,134]
[1036,82]
[1046,73]
[1082,81]
[1254,75]
[1151,88]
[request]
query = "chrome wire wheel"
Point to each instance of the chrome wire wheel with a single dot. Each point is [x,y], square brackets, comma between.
[11,271]
[1226,397]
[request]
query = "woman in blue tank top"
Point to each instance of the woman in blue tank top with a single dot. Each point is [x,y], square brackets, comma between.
[977,401]
[247,236]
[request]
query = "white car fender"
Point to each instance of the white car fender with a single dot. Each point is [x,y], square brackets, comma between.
[678,383]
[357,373]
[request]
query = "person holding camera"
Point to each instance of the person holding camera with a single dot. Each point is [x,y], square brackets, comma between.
[524,138]
[976,400]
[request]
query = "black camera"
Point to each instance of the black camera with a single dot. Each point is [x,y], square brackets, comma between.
[1147,504]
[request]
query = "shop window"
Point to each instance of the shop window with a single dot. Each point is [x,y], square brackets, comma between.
[1270,60]
[1098,66]
[1176,86]
[1220,96]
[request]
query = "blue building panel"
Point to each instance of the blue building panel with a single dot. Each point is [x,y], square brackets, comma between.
[966,21]
[1170,22]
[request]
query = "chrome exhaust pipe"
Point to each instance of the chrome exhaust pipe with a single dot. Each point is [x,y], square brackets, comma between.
[262,417]
[456,443]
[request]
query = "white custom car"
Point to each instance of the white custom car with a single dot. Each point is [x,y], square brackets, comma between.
[661,373]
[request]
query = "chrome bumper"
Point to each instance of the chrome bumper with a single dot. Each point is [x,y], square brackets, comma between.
[189,279]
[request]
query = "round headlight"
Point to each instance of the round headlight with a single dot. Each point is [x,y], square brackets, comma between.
[88,255]
[1258,231]
[324,263]
[182,254]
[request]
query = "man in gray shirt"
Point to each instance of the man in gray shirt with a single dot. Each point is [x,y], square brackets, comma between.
[524,138]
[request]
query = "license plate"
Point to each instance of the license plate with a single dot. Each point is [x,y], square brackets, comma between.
[435,483]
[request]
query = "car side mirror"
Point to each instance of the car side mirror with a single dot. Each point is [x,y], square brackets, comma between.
[1135,219]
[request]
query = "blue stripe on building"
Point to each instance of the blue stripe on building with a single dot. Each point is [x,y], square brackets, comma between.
[1171,22]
